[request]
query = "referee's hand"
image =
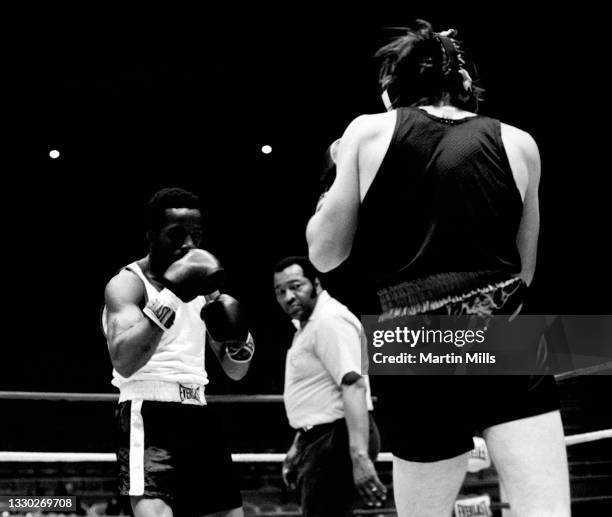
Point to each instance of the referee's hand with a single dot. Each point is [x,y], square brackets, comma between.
[366,480]
[289,470]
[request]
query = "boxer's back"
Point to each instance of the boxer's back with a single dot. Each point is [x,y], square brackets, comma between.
[443,199]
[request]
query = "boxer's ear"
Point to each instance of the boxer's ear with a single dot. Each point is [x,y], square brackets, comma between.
[318,286]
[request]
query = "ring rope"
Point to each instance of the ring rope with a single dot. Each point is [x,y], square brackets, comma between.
[584,371]
[248,457]
[114,397]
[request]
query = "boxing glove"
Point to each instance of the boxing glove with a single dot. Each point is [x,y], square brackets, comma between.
[328,175]
[197,273]
[225,323]
[224,319]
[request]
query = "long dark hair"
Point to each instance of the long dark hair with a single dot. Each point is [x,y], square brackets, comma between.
[422,67]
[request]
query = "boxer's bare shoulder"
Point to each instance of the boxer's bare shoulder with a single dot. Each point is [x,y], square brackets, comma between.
[523,155]
[372,136]
[124,287]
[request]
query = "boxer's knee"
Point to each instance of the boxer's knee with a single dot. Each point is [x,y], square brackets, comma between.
[147,507]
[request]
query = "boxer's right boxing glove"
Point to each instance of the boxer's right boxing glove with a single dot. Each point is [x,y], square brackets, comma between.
[197,273]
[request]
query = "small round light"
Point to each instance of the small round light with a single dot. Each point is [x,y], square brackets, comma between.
[266,149]
[54,154]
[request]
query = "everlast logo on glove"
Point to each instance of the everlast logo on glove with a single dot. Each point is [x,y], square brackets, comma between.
[162,309]
[164,314]
[190,394]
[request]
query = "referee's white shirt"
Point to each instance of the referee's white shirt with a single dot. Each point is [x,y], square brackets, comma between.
[325,348]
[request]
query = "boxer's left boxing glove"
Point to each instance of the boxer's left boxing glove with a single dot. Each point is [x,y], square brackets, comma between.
[226,323]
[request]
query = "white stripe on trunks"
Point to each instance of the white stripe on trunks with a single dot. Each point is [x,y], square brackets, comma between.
[136,449]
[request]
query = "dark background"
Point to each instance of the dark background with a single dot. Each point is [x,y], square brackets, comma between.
[142,100]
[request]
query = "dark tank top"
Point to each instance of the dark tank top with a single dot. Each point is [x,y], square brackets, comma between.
[443,200]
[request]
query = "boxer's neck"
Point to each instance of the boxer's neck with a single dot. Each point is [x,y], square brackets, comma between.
[447,111]
[152,269]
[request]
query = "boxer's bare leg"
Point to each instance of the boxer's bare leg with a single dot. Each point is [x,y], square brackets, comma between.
[147,507]
[530,457]
[427,489]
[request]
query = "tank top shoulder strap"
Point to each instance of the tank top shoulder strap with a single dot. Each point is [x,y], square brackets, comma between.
[136,269]
[405,118]
[150,290]
[492,127]
[495,128]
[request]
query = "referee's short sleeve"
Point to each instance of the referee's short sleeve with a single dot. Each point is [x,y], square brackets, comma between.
[338,345]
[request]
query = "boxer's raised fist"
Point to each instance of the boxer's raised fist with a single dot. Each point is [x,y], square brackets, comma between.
[224,319]
[197,273]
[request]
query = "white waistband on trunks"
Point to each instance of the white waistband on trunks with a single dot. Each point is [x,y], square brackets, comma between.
[161,391]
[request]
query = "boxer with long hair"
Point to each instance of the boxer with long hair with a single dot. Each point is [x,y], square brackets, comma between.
[449,226]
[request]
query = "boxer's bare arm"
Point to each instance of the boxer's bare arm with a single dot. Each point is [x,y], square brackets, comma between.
[132,337]
[359,153]
[524,158]
[331,230]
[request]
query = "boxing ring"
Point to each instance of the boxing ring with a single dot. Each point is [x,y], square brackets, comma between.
[478,460]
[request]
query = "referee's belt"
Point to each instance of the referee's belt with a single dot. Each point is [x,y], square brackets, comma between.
[162,391]
[312,429]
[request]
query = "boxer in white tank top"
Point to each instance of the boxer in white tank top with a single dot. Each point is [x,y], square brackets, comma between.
[179,357]
[159,313]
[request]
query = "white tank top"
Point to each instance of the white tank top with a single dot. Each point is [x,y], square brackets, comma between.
[179,357]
